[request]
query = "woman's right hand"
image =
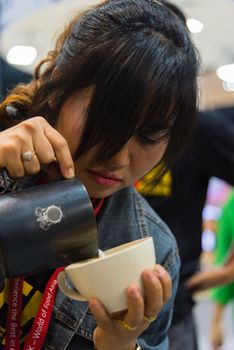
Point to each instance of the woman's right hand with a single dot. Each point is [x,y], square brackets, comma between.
[39,137]
[111,332]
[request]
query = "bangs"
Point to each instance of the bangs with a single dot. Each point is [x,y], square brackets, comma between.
[133,95]
[139,61]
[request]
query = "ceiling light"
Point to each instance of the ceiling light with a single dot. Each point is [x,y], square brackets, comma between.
[21,55]
[226,73]
[194,25]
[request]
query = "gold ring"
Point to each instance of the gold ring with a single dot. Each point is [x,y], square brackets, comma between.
[150,319]
[28,155]
[127,326]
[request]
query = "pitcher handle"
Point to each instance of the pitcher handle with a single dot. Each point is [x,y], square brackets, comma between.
[67,289]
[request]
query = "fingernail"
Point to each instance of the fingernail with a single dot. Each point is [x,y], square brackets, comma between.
[70,172]
[133,292]
[159,270]
[93,304]
[149,276]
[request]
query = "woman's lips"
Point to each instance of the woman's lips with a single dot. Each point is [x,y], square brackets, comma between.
[105,178]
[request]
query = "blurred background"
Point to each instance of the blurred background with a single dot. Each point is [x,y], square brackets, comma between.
[27,31]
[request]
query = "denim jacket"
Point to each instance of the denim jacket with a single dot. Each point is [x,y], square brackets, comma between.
[126,216]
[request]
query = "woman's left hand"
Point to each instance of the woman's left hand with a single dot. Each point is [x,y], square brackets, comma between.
[122,333]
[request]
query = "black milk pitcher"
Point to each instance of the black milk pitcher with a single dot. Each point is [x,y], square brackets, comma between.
[46,226]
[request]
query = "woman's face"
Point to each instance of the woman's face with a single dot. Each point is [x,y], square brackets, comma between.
[128,165]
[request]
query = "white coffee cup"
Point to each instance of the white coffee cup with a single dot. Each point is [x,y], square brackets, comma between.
[108,276]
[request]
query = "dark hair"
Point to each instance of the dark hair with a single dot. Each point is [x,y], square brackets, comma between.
[141,64]
[176,10]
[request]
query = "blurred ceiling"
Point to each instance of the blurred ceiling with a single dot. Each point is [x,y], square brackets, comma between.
[215,42]
[36,23]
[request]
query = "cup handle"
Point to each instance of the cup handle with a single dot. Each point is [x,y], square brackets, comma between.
[66,289]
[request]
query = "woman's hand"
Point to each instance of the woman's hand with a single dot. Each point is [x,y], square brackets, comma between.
[121,332]
[42,141]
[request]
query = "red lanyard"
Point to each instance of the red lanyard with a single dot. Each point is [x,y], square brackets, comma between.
[13,314]
[41,322]
[97,203]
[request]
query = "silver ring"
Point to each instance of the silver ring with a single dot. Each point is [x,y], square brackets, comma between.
[28,155]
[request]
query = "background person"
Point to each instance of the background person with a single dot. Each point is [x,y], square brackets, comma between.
[179,199]
[9,77]
[221,276]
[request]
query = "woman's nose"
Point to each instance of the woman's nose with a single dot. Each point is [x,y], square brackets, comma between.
[122,158]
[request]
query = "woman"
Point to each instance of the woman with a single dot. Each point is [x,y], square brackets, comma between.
[116,97]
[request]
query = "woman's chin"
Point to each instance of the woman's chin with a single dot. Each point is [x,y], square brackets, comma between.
[100,193]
